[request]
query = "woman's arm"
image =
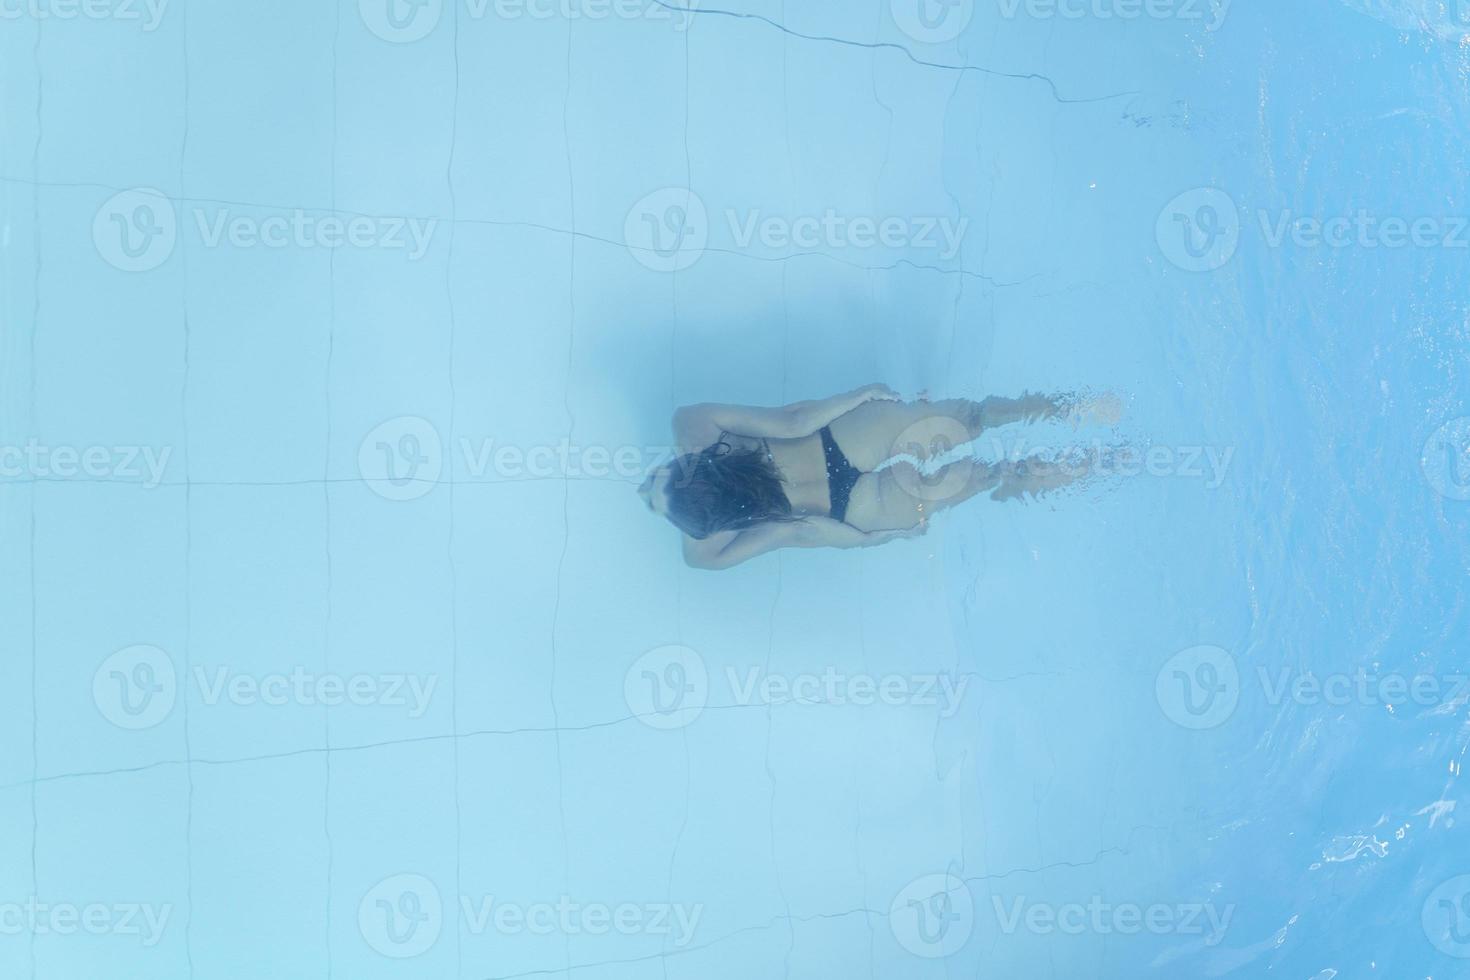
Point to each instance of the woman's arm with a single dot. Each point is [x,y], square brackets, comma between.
[697,426]
[730,548]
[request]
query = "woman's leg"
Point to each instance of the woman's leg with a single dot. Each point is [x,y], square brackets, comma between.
[878,431]
[901,496]
[1028,408]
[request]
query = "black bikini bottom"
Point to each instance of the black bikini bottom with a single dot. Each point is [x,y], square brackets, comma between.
[841,475]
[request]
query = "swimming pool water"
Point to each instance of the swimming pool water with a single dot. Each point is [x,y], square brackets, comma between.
[337,336]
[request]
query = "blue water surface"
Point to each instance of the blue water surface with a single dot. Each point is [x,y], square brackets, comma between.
[336,337]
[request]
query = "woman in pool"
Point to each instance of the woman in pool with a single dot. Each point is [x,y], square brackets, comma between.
[752,480]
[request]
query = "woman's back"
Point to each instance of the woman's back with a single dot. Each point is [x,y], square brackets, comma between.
[802,467]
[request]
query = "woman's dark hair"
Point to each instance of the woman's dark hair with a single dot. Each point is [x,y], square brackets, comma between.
[724,489]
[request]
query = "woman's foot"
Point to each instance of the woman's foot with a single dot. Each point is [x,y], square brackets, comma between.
[1105,408]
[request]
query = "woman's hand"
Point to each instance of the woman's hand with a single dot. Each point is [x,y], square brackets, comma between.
[697,426]
[728,548]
